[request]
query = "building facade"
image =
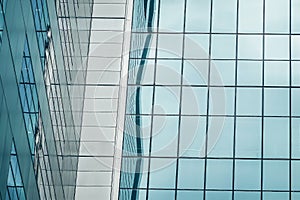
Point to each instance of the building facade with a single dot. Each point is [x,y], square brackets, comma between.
[150,99]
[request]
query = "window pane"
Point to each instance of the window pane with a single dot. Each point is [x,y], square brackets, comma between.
[191,174]
[214,195]
[249,73]
[223,145]
[250,47]
[296,138]
[275,195]
[276,47]
[247,195]
[197,15]
[295,47]
[221,101]
[247,174]
[161,194]
[167,19]
[165,135]
[277,16]
[295,73]
[190,195]
[168,72]
[219,174]
[194,100]
[295,101]
[166,100]
[195,72]
[196,46]
[249,101]
[192,136]
[141,96]
[169,46]
[163,173]
[248,137]
[295,175]
[276,175]
[276,102]
[223,46]
[141,71]
[224,16]
[277,73]
[226,71]
[250,16]
[295,16]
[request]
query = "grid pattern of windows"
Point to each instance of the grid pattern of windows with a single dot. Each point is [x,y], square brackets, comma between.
[212,106]
[15,188]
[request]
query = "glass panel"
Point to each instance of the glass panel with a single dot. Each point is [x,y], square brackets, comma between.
[295,138]
[277,73]
[132,194]
[249,101]
[219,174]
[164,135]
[276,47]
[219,42]
[194,100]
[247,175]
[161,194]
[247,195]
[221,101]
[197,16]
[223,145]
[195,72]
[169,46]
[224,16]
[295,16]
[295,101]
[167,19]
[189,195]
[295,175]
[249,73]
[276,138]
[250,16]
[141,96]
[275,195]
[190,174]
[295,47]
[277,22]
[214,195]
[163,173]
[141,71]
[276,102]
[250,47]
[248,137]
[166,100]
[168,72]
[192,136]
[196,46]
[225,70]
[295,73]
[276,175]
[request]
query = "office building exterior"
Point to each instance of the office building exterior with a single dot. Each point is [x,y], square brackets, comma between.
[150,99]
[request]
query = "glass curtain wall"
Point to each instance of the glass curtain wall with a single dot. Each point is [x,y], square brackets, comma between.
[213,101]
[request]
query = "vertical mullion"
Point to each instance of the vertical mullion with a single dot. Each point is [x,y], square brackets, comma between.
[290,100]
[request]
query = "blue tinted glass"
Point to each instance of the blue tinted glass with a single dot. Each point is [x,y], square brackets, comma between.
[164,135]
[250,16]
[295,73]
[21,193]
[295,16]
[276,137]
[296,138]
[141,71]
[276,101]
[276,175]
[277,73]
[196,46]
[13,193]
[162,173]
[219,174]
[221,101]
[166,100]
[167,19]
[10,179]
[169,46]
[161,194]
[192,136]
[132,194]
[218,44]
[249,101]
[275,195]
[222,145]
[295,175]
[194,100]
[190,195]
[248,137]
[250,47]
[195,72]
[295,47]
[214,195]
[295,195]
[197,15]
[168,72]
[249,73]
[224,70]
[247,174]
[224,16]
[277,47]
[190,174]
[277,22]
[139,99]
[247,195]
